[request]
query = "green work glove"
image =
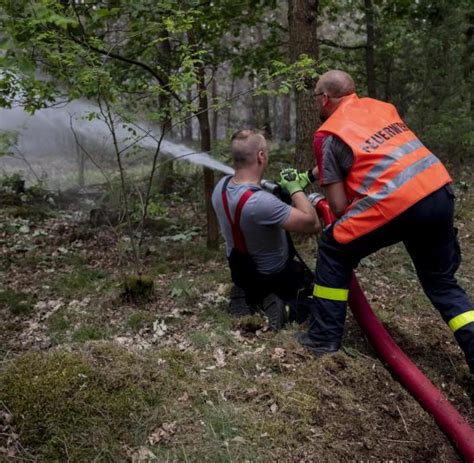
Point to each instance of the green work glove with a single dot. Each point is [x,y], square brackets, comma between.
[306,178]
[289,180]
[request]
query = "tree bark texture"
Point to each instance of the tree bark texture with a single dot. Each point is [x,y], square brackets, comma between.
[369,51]
[286,118]
[165,175]
[302,16]
[188,123]
[205,130]
[215,114]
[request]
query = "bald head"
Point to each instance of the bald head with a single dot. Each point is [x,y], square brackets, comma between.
[336,84]
[245,145]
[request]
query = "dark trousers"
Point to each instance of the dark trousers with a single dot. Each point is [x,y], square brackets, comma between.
[426,229]
[293,285]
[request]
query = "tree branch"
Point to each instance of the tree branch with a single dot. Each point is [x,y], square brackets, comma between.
[330,43]
[124,59]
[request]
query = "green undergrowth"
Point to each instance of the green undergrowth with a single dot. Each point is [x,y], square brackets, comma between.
[210,387]
[137,289]
[79,281]
[140,319]
[79,324]
[17,302]
[83,405]
[36,213]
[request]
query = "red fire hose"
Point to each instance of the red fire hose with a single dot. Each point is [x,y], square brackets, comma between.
[420,387]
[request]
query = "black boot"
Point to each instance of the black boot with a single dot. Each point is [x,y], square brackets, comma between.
[238,306]
[318,348]
[275,310]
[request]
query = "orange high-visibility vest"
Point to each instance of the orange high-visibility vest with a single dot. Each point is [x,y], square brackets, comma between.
[391,170]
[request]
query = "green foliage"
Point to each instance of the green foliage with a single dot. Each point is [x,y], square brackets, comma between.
[8,139]
[299,75]
[423,64]
[14,183]
[33,212]
[73,46]
[26,202]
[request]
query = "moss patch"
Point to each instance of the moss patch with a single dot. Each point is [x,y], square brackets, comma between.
[86,405]
[137,289]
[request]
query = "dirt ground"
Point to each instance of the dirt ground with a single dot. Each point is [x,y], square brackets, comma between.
[179,378]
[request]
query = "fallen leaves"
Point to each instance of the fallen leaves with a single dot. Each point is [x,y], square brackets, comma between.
[159,328]
[219,356]
[162,434]
[278,353]
[9,439]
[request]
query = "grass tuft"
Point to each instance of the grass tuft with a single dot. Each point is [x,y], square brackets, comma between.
[17,303]
[88,333]
[137,289]
[81,280]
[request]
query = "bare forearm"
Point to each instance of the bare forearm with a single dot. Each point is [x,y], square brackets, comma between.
[303,218]
[301,202]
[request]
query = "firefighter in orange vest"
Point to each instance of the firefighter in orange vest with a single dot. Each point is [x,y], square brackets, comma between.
[384,186]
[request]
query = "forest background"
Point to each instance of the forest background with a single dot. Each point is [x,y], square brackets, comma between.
[149,254]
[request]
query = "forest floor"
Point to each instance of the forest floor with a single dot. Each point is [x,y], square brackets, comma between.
[86,376]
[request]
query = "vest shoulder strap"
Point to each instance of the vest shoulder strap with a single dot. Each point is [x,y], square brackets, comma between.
[237,235]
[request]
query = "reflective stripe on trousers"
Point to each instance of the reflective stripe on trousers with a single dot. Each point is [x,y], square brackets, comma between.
[461,320]
[333,294]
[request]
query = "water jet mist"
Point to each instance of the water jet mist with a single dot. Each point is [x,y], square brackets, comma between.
[54,142]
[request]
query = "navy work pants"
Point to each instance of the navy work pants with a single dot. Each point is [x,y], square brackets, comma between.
[426,229]
[292,285]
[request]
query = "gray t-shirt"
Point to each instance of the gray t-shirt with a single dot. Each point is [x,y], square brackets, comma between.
[260,222]
[337,159]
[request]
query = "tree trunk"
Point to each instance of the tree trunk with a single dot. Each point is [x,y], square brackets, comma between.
[267,123]
[81,162]
[469,55]
[215,113]
[165,172]
[188,123]
[303,39]
[253,107]
[369,52]
[388,78]
[229,109]
[286,118]
[205,130]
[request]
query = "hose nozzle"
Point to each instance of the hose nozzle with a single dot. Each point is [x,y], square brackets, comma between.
[270,186]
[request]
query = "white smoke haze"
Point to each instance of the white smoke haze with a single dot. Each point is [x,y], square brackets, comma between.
[47,142]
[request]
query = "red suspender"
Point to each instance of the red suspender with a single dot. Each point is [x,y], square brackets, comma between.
[237,235]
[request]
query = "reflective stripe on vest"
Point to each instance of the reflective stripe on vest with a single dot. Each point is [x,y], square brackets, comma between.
[385,163]
[391,169]
[334,294]
[461,320]
[403,177]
